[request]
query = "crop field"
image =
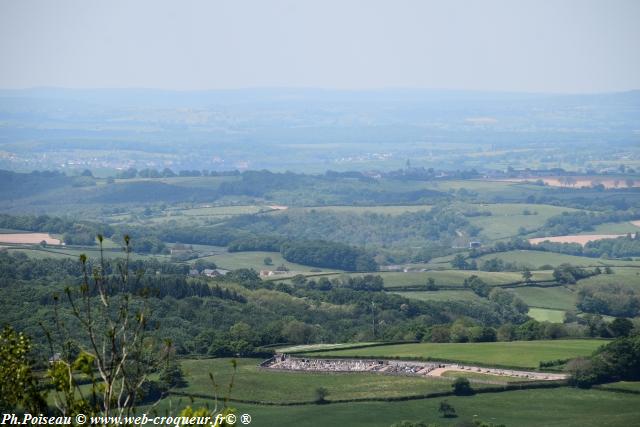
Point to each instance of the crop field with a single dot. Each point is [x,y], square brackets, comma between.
[561,407]
[441,295]
[522,354]
[558,297]
[546,315]
[28,238]
[536,259]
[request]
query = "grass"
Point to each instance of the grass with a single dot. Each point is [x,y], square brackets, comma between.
[441,295]
[630,276]
[482,377]
[546,315]
[562,407]
[255,260]
[385,210]
[613,228]
[535,259]
[523,354]
[455,277]
[623,385]
[252,383]
[313,347]
[507,218]
[559,298]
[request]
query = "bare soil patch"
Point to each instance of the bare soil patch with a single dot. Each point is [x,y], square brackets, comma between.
[581,239]
[578,182]
[29,238]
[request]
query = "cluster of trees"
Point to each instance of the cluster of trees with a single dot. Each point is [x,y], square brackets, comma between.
[569,274]
[575,222]
[168,173]
[617,361]
[75,232]
[319,253]
[613,299]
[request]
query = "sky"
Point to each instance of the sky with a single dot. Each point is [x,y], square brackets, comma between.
[564,46]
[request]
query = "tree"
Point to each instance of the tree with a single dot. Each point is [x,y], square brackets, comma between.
[171,375]
[18,384]
[321,394]
[459,262]
[446,410]
[267,261]
[462,387]
[120,350]
[621,327]
[526,275]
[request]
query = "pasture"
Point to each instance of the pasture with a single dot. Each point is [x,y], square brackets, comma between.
[507,218]
[546,315]
[441,295]
[536,259]
[455,278]
[626,275]
[253,383]
[521,354]
[255,260]
[560,407]
[558,297]
[379,209]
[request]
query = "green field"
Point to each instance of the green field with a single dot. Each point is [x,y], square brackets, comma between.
[626,275]
[252,383]
[558,297]
[613,228]
[472,376]
[384,210]
[255,260]
[546,315]
[455,277]
[441,295]
[313,347]
[535,259]
[623,385]
[507,218]
[561,407]
[523,354]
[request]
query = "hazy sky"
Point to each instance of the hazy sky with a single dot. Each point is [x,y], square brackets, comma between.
[511,45]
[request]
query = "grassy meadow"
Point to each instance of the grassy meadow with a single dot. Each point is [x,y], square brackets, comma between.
[560,407]
[522,354]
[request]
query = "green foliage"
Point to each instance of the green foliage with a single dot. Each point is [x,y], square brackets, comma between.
[171,375]
[321,395]
[462,387]
[614,299]
[327,254]
[446,410]
[619,360]
[18,384]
